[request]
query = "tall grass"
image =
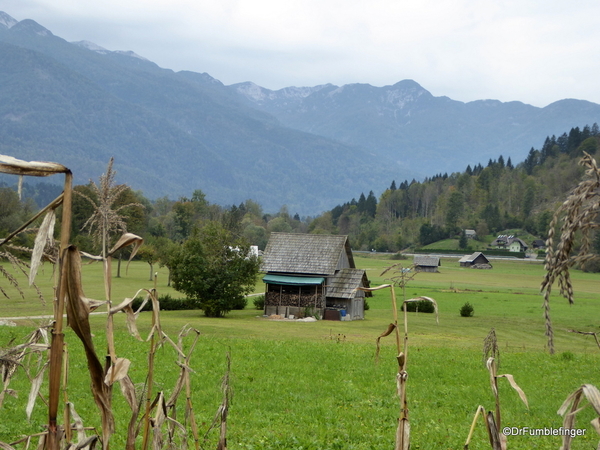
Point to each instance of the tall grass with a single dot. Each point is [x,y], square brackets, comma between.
[321,393]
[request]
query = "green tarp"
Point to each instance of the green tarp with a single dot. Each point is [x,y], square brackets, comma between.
[293,281]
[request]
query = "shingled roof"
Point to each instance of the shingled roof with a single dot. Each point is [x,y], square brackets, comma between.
[315,254]
[426,261]
[345,282]
[471,258]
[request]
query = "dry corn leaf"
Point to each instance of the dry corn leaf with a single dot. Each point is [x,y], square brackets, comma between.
[427,299]
[42,442]
[158,420]
[125,241]
[596,424]
[92,257]
[78,319]
[403,435]
[495,437]
[15,166]
[156,328]
[184,365]
[570,408]
[516,387]
[479,412]
[128,391]
[81,436]
[173,344]
[126,307]
[391,327]
[117,371]
[491,366]
[45,235]
[36,383]
[88,444]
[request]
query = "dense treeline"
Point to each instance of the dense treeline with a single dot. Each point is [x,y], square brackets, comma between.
[488,199]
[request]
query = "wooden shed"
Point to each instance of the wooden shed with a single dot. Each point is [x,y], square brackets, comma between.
[426,263]
[476,258]
[312,272]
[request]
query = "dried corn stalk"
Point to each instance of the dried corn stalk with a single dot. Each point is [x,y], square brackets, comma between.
[570,408]
[13,357]
[15,166]
[223,410]
[490,347]
[106,219]
[78,311]
[587,333]
[70,297]
[403,430]
[493,421]
[183,380]
[579,213]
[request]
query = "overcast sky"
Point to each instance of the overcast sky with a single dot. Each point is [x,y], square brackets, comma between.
[533,51]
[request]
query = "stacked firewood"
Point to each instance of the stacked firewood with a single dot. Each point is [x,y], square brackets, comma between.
[275,299]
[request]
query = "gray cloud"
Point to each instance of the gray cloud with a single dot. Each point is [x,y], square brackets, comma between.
[536,52]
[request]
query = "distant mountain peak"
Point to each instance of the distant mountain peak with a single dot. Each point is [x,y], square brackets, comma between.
[130,53]
[101,50]
[91,46]
[32,27]
[7,20]
[408,84]
[256,93]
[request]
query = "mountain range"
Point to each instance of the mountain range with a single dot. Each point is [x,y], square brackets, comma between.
[309,148]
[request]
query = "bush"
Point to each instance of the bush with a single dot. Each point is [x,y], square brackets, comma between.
[259,302]
[239,303]
[167,303]
[466,310]
[423,306]
[592,266]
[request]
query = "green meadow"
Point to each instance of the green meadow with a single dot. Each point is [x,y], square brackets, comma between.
[319,385]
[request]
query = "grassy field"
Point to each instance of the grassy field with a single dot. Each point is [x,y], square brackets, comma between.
[317,385]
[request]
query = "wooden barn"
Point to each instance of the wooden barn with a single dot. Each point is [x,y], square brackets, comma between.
[312,272]
[476,258]
[426,263]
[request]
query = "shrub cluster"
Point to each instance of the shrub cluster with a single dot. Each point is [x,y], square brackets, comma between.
[423,306]
[259,302]
[467,310]
[167,303]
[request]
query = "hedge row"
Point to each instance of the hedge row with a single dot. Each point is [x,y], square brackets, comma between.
[468,252]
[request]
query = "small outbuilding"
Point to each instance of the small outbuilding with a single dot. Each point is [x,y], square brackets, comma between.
[471,234]
[427,263]
[477,259]
[312,272]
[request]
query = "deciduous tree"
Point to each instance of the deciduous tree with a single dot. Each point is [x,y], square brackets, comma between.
[214,269]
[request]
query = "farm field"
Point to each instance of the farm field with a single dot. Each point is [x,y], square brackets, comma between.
[318,385]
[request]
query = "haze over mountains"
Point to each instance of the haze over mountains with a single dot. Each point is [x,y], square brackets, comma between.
[309,148]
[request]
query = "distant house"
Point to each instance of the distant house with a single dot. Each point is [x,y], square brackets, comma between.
[476,258]
[511,243]
[539,244]
[471,234]
[426,263]
[312,272]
